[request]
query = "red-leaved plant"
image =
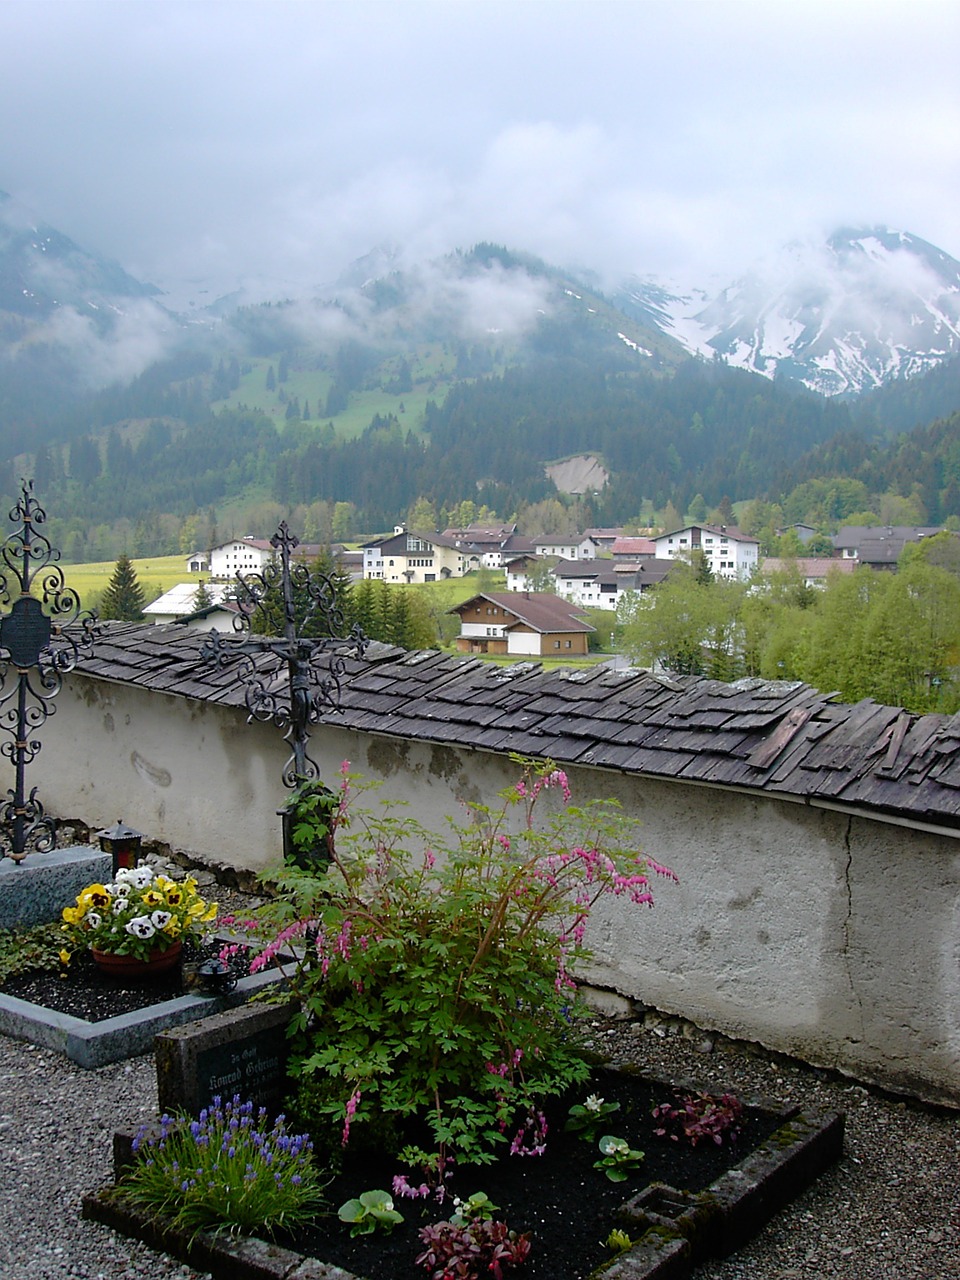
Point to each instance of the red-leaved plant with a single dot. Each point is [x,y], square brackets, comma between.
[469,1250]
[700,1117]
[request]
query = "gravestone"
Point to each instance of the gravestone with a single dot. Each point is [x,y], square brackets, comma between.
[240,1051]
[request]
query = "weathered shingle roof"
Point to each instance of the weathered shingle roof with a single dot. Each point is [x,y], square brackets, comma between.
[781,738]
[542,611]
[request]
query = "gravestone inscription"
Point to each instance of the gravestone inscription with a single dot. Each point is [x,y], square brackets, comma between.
[241,1051]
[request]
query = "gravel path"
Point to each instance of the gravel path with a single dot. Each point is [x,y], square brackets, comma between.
[889,1211]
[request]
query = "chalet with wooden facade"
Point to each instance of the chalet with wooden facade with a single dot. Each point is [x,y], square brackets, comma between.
[528,624]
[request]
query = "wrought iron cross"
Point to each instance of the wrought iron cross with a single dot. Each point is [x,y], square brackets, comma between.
[312,683]
[29,626]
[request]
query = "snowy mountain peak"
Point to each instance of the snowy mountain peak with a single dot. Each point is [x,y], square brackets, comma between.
[864,307]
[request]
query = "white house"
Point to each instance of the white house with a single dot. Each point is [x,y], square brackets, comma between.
[414,557]
[572,546]
[814,570]
[728,552]
[181,600]
[519,572]
[252,555]
[591,584]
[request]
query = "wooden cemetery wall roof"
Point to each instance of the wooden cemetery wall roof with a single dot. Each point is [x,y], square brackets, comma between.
[781,738]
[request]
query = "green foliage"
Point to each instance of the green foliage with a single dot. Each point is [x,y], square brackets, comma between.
[687,625]
[371,1211]
[392,614]
[586,1118]
[478,1205]
[618,1160]
[123,598]
[894,637]
[320,601]
[226,1170]
[33,950]
[619,1241]
[434,985]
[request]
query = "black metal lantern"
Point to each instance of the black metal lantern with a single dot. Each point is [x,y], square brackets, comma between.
[217,977]
[123,844]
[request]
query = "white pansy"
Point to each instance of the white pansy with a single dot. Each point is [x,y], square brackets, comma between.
[141,927]
[160,919]
[93,919]
[136,877]
[120,905]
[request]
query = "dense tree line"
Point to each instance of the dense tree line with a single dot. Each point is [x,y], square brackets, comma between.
[337,607]
[893,637]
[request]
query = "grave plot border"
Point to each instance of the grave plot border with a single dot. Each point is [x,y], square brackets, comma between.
[128,1035]
[677,1230]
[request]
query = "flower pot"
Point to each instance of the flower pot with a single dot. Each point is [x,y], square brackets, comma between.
[133,969]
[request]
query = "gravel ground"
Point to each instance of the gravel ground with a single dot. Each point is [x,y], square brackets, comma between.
[890,1210]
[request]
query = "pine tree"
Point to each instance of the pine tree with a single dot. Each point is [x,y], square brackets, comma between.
[123,598]
[202,599]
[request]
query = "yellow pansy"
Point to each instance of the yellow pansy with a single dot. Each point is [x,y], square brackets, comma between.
[153,899]
[73,915]
[65,956]
[95,895]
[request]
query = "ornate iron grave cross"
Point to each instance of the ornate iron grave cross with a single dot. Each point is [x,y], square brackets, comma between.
[306,602]
[28,628]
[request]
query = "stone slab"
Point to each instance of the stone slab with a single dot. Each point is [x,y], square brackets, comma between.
[95,1044]
[37,889]
[239,1051]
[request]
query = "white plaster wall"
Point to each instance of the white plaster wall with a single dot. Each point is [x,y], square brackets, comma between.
[829,936]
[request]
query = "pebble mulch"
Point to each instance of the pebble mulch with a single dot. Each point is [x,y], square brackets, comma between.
[890,1210]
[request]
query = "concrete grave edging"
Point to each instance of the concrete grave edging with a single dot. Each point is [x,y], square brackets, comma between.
[712,1223]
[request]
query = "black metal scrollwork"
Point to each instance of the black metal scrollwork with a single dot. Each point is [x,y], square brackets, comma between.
[311,650]
[41,639]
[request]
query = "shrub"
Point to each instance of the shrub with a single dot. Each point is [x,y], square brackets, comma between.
[434,982]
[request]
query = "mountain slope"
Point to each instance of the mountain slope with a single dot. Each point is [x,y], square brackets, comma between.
[42,270]
[868,306]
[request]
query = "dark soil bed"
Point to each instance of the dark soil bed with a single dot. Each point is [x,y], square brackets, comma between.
[85,992]
[568,1207]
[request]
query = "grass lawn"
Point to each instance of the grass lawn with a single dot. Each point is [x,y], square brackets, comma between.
[156,574]
[431,371]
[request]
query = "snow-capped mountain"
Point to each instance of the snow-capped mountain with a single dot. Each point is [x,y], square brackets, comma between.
[42,270]
[868,306]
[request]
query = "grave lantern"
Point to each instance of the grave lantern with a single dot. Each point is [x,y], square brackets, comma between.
[123,844]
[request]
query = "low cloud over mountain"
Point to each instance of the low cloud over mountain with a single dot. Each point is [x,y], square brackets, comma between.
[865,307]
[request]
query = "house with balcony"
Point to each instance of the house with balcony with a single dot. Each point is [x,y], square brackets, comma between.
[525,624]
[405,556]
[729,552]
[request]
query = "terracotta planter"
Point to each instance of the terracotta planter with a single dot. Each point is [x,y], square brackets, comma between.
[132,969]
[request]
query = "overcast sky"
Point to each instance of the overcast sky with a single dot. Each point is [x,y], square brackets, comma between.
[277,140]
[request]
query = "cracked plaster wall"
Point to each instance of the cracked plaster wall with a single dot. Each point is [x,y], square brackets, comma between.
[829,936]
